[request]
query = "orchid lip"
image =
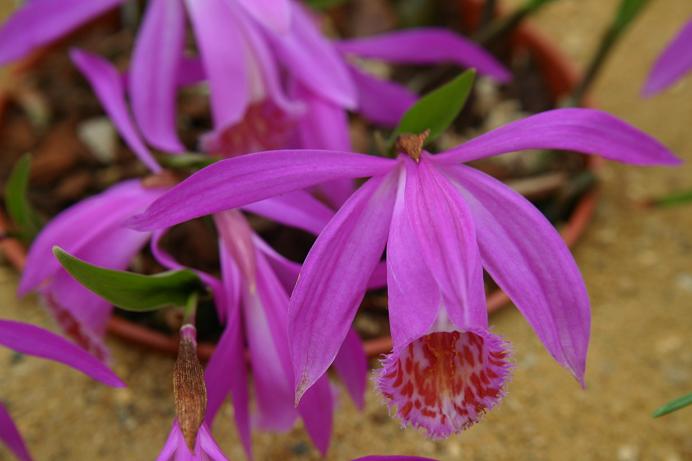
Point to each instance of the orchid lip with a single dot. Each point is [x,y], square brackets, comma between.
[444,381]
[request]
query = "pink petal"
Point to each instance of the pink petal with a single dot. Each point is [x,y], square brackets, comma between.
[173,442]
[673,63]
[108,86]
[351,364]
[304,50]
[426,46]
[214,23]
[155,61]
[285,270]
[317,410]
[581,130]
[380,101]
[446,234]
[32,340]
[414,295]
[208,445]
[249,178]
[334,279]
[10,435]
[296,209]
[274,14]
[39,22]
[528,259]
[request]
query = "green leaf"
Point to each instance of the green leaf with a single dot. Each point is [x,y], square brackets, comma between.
[677,198]
[674,405]
[437,110]
[533,5]
[187,161]
[324,4]
[130,291]
[627,12]
[18,207]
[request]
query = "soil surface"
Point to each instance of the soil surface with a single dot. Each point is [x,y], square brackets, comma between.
[637,263]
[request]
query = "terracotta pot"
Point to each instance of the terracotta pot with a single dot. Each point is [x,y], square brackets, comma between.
[560,76]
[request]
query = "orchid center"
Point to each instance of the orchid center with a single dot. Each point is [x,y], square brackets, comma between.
[411,144]
[264,127]
[444,382]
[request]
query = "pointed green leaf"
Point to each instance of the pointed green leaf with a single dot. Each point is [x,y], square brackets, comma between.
[130,291]
[18,207]
[437,110]
[674,405]
[627,12]
[324,4]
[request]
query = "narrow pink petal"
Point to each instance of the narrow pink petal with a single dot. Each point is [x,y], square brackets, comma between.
[95,217]
[285,270]
[317,410]
[274,14]
[673,63]
[351,364]
[529,260]
[32,340]
[265,311]
[250,178]
[214,24]
[155,61]
[304,49]
[444,227]
[10,435]
[190,71]
[39,22]
[581,130]
[380,101]
[426,46]
[209,446]
[378,279]
[414,295]
[296,209]
[108,86]
[334,279]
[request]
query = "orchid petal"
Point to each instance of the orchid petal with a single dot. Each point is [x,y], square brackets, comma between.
[351,364]
[296,209]
[10,435]
[334,279]
[190,71]
[249,178]
[414,296]
[108,86]
[208,445]
[672,64]
[32,340]
[285,270]
[378,279]
[380,101]
[215,29]
[155,61]
[426,46]
[528,259]
[446,234]
[175,437]
[581,130]
[313,60]
[317,410]
[39,22]
[274,14]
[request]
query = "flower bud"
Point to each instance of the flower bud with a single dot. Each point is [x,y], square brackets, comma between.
[189,389]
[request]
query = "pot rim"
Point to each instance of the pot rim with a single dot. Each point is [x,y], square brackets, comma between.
[560,75]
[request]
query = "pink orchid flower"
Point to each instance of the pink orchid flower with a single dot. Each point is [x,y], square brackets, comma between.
[441,223]
[32,340]
[673,63]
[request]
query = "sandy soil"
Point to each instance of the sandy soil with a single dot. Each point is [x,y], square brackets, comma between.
[638,267]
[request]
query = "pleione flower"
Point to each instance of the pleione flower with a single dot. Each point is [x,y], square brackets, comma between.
[674,62]
[441,223]
[32,340]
